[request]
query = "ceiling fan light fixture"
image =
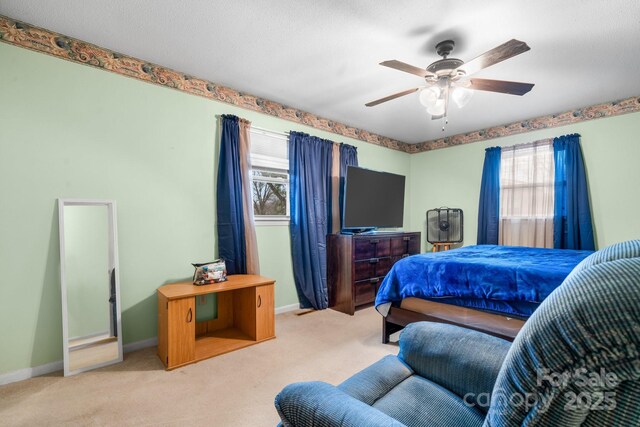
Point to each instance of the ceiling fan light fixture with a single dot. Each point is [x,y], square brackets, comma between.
[429,96]
[461,96]
[447,79]
[437,109]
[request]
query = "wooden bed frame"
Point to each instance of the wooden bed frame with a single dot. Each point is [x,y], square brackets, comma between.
[398,318]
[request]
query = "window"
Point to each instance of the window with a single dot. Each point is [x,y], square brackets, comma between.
[527,195]
[269,177]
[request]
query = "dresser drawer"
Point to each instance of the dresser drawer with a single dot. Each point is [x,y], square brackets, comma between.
[383,266]
[408,244]
[365,292]
[371,268]
[395,259]
[371,248]
[363,270]
[413,245]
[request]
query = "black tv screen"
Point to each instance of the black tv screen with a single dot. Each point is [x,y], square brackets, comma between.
[373,199]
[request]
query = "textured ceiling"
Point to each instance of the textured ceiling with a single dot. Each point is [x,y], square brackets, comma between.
[322,56]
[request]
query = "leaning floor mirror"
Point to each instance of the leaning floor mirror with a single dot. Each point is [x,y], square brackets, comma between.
[91,329]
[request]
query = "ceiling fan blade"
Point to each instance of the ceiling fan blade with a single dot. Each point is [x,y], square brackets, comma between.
[398,65]
[502,86]
[390,97]
[497,54]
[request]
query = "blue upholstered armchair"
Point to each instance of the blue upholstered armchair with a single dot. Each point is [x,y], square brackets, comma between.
[576,362]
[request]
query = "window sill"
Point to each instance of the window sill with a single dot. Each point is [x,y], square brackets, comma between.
[259,222]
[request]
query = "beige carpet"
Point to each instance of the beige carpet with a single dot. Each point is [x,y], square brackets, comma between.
[235,389]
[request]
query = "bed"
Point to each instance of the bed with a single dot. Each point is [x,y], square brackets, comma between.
[489,288]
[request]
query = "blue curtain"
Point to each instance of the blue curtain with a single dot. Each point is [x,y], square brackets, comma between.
[489,209]
[231,243]
[310,207]
[572,226]
[348,157]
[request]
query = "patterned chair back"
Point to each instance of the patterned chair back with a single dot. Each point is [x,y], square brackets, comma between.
[576,362]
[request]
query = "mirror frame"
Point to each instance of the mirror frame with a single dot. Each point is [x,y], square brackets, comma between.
[113,266]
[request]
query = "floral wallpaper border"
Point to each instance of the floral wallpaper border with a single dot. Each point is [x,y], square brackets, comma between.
[608,109]
[45,41]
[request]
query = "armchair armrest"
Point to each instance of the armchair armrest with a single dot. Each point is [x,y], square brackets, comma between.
[463,361]
[321,404]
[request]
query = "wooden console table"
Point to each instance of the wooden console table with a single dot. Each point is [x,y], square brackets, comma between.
[246,316]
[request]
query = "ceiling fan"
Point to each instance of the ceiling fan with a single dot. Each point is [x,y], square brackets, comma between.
[449,77]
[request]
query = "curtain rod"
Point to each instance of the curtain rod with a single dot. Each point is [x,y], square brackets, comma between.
[529,144]
[269,130]
[538,142]
[219,116]
[275,132]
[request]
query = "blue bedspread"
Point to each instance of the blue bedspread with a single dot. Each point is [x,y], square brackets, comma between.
[489,272]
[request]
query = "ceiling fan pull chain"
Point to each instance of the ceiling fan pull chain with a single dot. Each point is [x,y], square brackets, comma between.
[446,105]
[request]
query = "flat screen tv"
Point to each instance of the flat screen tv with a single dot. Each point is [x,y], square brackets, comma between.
[373,199]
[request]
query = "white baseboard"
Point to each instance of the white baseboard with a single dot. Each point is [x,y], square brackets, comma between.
[26,373]
[287,308]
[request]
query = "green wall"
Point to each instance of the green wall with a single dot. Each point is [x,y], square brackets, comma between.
[611,149]
[68,130]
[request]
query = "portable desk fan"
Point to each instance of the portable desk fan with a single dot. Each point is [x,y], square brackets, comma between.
[444,225]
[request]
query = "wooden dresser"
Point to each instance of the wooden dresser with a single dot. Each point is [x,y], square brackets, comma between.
[245,317]
[356,265]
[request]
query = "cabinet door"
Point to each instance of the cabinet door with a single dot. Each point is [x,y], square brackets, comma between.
[265,314]
[181,331]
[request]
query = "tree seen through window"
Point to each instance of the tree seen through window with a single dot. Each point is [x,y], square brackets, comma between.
[270,192]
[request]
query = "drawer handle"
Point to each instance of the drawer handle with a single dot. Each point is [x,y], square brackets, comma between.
[190,315]
[374,241]
[376,280]
[373,261]
[405,255]
[259,301]
[406,238]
